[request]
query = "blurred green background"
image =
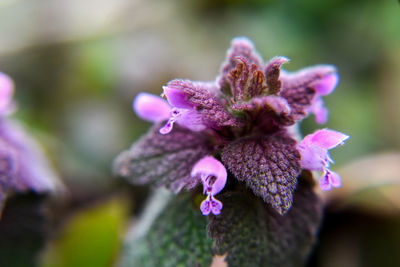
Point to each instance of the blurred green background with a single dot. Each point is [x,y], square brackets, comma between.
[77,66]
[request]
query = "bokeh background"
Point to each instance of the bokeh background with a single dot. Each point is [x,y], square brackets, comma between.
[77,66]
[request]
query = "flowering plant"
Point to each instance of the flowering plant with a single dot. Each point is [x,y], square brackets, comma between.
[237,137]
[23,167]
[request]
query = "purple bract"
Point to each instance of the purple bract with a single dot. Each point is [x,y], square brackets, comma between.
[240,123]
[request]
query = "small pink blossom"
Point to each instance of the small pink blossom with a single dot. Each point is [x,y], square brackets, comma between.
[325,86]
[151,107]
[156,109]
[314,155]
[213,176]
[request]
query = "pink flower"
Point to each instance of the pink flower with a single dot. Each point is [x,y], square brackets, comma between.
[325,86]
[155,109]
[213,176]
[314,155]
[151,107]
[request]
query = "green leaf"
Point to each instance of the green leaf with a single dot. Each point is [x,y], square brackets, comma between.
[253,234]
[91,237]
[177,237]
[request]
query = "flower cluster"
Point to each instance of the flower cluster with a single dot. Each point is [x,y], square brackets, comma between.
[22,164]
[242,123]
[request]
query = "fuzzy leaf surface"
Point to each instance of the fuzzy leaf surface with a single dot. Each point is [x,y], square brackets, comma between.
[163,159]
[298,88]
[268,164]
[177,237]
[253,234]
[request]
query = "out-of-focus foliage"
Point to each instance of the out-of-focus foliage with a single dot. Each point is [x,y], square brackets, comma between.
[90,238]
[78,64]
[23,230]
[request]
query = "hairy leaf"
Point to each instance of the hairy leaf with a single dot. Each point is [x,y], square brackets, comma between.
[177,237]
[273,71]
[253,234]
[268,164]
[299,87]
[243,48]
[163,159]
[247,81]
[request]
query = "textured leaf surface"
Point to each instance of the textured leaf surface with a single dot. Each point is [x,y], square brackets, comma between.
[253,234]
[298,87]
[178,237]
[273,71]
[246,81]
[163,159]
[268,164]
[242,48]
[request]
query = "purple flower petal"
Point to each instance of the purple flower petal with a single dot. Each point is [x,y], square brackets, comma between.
[207,168]
[330,179]
[313,157]
[176,96]
[205,206]
[327,84]
[192,120]
[319,110]
[6,94]
[324,183]
[334,178]
[216,206]
[210,204]
[314,148]
[326,138]
[151,108]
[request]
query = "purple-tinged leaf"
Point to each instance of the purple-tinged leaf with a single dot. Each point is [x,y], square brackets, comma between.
[243,48]
[273,107]
[300,88]
[246,81]
[268,164]
[163,159]
[272,71]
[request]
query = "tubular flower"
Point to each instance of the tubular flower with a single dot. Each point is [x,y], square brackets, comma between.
[23,166]
[314,155]
[213,176]
[242,120]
